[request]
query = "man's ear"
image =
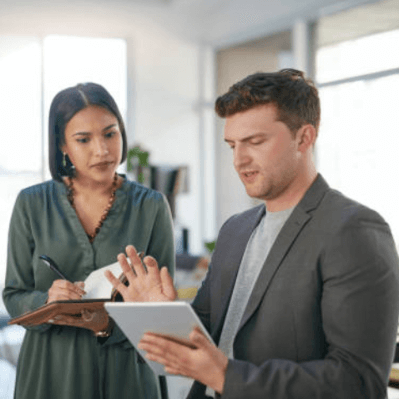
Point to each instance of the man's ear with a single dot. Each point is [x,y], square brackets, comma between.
[306,137]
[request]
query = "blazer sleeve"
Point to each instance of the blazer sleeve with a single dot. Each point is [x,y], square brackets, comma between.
[202,303]
[360,305]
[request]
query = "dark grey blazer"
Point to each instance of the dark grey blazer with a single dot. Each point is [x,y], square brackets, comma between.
[321,321]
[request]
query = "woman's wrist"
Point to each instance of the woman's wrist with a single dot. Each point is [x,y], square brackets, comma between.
[107,331]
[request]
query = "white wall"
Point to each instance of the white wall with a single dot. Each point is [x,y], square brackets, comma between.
[163,84]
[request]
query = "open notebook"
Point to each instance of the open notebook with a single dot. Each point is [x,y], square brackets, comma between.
[98,291]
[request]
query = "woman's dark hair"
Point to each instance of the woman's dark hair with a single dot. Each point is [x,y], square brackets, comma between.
[64,106]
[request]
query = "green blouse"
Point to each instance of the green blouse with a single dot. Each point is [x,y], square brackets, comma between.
[67,362]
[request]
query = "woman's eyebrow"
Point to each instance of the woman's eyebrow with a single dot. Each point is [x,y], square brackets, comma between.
[88,133]
[110,126]
[81,134]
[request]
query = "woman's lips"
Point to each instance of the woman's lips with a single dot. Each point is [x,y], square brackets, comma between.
[102,165]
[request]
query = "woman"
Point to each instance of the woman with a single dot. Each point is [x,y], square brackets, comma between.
[82,219]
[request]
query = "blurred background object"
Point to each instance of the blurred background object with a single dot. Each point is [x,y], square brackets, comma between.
[171,181]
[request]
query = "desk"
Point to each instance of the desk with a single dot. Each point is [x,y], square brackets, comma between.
[393,393]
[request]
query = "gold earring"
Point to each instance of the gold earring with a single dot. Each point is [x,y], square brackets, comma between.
[64,159]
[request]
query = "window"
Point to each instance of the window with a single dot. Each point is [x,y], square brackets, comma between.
[31,73]
[357,148]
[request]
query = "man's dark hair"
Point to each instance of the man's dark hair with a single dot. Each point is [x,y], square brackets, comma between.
[295,97]
[64,106]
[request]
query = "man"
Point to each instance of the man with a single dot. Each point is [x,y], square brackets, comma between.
[302,295]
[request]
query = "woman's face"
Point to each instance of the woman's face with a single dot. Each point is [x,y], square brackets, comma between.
[93,143]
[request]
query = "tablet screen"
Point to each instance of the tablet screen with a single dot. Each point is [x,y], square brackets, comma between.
[174,320]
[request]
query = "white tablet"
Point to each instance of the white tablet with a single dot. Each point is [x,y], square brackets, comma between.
[174,319]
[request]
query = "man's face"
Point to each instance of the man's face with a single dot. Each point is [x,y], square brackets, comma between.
[266,155]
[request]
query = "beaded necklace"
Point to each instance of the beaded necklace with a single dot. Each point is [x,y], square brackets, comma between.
[70,196]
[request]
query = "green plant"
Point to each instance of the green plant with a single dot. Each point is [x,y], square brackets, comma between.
[210,246]
[142,158]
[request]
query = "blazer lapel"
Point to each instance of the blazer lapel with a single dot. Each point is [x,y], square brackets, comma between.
[295,223]
[230,260]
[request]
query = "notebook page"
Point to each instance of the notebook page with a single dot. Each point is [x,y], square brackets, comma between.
[96,284]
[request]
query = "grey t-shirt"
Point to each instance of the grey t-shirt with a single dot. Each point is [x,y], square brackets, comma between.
[255,255]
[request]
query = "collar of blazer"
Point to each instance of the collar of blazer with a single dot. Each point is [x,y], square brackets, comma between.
[231,244]
[295,223]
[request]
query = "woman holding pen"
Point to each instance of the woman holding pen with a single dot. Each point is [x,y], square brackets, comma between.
[82,219]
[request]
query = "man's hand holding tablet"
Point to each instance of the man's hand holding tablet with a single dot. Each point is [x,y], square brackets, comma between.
[201,360]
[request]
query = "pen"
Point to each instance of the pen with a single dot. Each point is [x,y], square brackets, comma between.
[52,265]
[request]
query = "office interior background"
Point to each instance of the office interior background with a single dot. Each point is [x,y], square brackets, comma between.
[165,62]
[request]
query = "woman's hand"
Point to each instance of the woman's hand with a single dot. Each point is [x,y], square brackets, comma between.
[96,321]
[151,285]
[63,290]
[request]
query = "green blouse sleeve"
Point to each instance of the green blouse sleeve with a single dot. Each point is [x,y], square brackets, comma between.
[161,245]
[20,295]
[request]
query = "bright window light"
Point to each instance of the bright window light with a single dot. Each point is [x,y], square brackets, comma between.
[72,60]
[358,57]
[20,107]
[357,147]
